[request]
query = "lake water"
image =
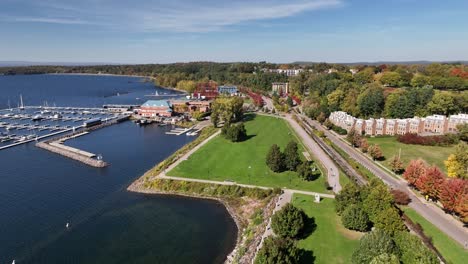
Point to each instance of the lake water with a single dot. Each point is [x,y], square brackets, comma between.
[40,191]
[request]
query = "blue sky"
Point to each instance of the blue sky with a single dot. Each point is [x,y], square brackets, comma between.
[157,31]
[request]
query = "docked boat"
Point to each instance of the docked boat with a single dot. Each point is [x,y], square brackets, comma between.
[37,118]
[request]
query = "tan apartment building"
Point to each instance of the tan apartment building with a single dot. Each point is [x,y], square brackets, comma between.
[416,125]
[402,126]
[370,125]
[435,124]
[391,127]
[454,121]
[380,126]
[360,125]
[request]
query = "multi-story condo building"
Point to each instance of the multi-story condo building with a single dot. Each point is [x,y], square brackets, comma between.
[455,120]
[280,88]
[435,124]
[430,125]
[380,126]
[416,125]
[370,126]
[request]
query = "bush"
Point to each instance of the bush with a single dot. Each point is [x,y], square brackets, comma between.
[339,130]
[305,172]
[442,140]
[412,249]
[288,222]
[400,197]
[355,218]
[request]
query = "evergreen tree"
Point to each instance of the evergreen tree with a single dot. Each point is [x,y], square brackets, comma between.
[291,156]
[355,218]
[274,159]
[278,250]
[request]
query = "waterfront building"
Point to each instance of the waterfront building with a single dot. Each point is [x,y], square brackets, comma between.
[370,126]
[154,108]
[206,90]
[228,89]
[280,88]
[190,106]
[380,126]
[454,121]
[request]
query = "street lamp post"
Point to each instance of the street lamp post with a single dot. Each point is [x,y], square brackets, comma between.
[249,173]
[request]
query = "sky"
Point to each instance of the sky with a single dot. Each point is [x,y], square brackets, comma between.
[162,31]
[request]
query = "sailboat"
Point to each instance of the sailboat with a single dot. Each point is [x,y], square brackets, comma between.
[156,93]
[21,107]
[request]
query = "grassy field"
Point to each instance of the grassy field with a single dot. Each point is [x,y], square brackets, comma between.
[450,250]
[330,242]
[222,160]
[431,154]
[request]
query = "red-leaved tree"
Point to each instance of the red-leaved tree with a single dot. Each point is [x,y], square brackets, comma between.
[414,170]
[452,192]
[430,183]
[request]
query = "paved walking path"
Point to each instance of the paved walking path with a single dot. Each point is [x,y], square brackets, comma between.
[428,210]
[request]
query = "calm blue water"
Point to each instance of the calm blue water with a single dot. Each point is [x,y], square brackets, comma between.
[41,191]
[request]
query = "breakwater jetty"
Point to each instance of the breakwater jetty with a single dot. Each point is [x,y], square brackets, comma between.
[56,145]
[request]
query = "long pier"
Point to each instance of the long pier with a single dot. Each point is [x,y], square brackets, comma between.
[73,153]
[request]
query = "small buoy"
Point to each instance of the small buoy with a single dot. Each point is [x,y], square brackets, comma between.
[67,225]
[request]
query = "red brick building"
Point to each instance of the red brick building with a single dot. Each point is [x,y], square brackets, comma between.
[206,90]
[154,108]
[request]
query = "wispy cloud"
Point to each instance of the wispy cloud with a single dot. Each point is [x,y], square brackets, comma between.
[167,16]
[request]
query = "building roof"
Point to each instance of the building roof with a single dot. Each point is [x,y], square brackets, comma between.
[157,103]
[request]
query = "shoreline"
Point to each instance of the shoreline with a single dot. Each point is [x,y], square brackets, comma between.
[117,75]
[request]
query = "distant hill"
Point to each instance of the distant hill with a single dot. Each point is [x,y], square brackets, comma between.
[422,62]
[35,63]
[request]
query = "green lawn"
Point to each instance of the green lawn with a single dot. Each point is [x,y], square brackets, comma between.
[330,242]
[431,154]
[223,160]
[450,250]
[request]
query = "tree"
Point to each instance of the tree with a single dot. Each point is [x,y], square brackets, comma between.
[186,85]
[430,183]
[274,159]
[375,152]
[377,200]
[288,222]
[328,124]
[400,197]
[353,137]
[305,172]
[396,165]
[335,99]
[291,156]
[234,133]
[364,76]
[349,195]
[453,166]
[463,131]
[278,250]
[355,218]
[414,170]
[321,117]
[389,220]
[443,103]
[371,101]
[289,101]
[372,245]
[227,109]
[197,115]
[364,145]
[452,192]
[390,78]
[459,161]
[385,259]
[412,250]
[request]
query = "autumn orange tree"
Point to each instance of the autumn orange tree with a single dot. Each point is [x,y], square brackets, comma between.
[430,183]
[452,192]
[414,170]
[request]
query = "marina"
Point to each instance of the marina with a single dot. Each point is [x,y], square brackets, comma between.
[32,123]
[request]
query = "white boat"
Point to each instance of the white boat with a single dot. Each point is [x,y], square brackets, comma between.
[21,107]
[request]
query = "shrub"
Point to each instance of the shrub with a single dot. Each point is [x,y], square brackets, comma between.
[400,197]
[412,249]
[305,172]
[415,139]
[274,159]
[234,133]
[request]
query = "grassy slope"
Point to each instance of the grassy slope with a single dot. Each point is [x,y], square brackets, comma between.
[450,250]
[222,160]
[330,242]
[431,154]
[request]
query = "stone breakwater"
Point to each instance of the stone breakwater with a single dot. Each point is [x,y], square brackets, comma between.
[69,153]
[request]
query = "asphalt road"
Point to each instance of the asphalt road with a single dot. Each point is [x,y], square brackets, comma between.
[428,210]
